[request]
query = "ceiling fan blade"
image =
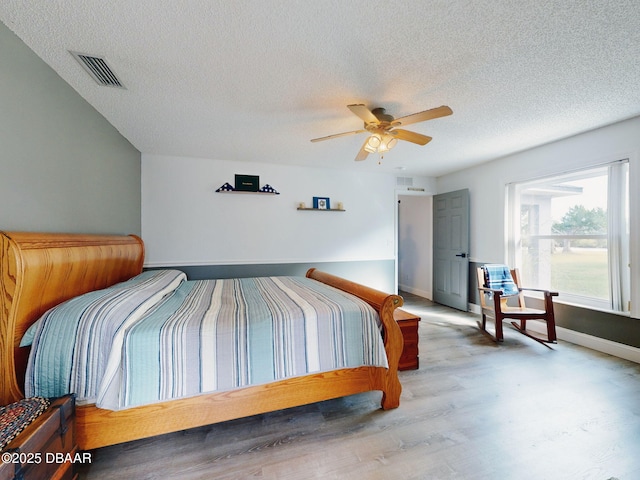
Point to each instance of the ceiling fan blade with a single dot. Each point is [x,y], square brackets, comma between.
[438,112]
[364,113]
[362,154]
[329,137]
[412,137]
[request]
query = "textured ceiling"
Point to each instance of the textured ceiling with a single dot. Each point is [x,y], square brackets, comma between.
[256,80]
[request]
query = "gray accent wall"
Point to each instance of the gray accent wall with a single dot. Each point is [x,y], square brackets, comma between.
[63,166]
[383,271]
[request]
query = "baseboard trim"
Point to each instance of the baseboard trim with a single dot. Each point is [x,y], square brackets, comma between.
[415,291]
[473,308]
[616,349]
[603,345]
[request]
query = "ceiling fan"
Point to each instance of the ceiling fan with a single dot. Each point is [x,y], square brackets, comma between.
[384,131]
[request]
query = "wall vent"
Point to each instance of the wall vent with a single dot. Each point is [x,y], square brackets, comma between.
[404,181]
[98,69]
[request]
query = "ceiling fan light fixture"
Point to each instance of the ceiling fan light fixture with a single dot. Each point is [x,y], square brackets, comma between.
[373,143]
[388,142]
[378,143]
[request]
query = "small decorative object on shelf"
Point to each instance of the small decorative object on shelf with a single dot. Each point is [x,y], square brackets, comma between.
[247,183]
[227,187]
[322,203]
[269,189]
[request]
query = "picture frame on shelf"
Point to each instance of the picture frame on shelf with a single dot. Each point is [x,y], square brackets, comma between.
[247,183]
[322,203]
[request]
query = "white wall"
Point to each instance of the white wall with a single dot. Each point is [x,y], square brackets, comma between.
[415,244]
[184,222]
[487,183]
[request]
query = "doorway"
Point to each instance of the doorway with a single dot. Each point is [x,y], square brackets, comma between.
[415,244]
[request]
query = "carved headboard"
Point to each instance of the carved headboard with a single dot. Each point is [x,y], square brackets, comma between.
[41,270]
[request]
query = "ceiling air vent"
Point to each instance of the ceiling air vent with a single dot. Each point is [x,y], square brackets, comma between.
[98,69]
[404,181]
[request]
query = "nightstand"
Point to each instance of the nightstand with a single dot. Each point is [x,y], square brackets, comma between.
[408,323]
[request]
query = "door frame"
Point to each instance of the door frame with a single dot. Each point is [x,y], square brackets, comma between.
[406,193]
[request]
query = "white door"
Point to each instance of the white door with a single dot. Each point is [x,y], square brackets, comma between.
[451,249]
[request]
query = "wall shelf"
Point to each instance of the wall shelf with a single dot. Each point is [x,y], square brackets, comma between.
[250,193]
[324,209]
[265,190]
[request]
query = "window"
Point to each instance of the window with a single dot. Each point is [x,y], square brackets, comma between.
[570,233]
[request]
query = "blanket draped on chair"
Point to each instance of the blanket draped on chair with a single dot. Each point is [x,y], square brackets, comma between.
[498,277]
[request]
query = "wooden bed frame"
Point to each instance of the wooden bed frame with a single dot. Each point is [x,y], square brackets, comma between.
[41,270]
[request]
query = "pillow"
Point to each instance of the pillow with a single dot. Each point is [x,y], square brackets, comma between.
[27,338]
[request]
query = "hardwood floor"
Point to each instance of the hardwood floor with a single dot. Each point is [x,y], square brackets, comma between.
[474,410]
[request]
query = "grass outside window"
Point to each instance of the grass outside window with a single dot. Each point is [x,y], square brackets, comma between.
[581,271]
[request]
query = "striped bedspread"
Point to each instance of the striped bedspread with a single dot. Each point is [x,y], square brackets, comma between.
[136,344]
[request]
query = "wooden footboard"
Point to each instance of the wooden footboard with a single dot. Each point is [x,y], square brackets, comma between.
[385,304]
[39,271]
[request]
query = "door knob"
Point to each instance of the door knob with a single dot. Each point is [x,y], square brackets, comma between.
[463,255]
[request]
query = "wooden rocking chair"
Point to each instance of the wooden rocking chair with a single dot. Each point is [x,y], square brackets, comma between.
[498,309]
